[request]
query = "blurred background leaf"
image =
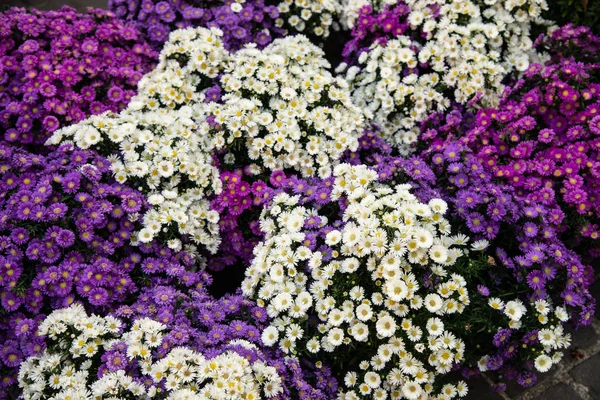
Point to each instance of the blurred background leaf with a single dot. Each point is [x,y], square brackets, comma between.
[578,12]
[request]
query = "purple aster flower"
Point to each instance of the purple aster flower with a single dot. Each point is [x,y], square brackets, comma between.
[501,337]
[115,360]
[277,179]
[536,280]
[10,354]
[527,379]
[25,327]
[452,153]
[572,298]
[20,236]
[494,363]
[65,238]
[530,229]
[483,290]
[535,256]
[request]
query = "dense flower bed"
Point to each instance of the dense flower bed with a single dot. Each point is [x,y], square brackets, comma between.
[430,211]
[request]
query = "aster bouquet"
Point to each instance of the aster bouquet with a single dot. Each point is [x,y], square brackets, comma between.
[65,232]
[277,113]
[58,67]
[365,281]
[417,57]
[523,291]
[161,142]
[543,140]
[98,358]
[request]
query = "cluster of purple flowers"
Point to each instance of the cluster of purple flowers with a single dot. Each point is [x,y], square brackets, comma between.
[570,42]
[58,67]
[544,141]
[65,230]
[199,321]
[252,21]
[376,27]
[537,264]
[240,205]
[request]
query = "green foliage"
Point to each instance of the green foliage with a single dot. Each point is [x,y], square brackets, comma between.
[577,12]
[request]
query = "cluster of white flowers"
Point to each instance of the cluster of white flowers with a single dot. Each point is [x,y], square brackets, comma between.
[551,335]
[369,288]
[285,109]
[468,47]
[65,370]
[161,142]
[394,102]
[311,17]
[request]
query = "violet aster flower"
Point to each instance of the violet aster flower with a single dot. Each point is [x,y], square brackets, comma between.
[65,238]
[483,290]
[115,360]
[501,337]
[10,354]
[527,379]
[536,280]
